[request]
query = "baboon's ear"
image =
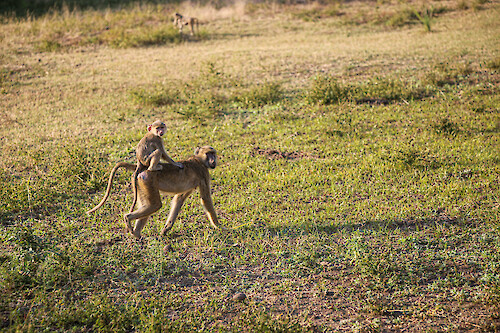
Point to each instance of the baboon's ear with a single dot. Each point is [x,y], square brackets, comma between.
[197,150]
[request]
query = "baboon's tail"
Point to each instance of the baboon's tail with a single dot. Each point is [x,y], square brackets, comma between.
[117,166]
[137,171]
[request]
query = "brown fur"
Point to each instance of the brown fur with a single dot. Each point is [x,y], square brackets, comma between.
[180,21]
[172,180]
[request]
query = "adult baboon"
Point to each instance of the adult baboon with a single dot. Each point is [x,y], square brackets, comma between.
[180,21]
[171,180]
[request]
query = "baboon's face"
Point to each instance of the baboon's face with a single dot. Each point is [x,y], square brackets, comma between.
[208,155]
[157,128]
[211,160]
[160,130]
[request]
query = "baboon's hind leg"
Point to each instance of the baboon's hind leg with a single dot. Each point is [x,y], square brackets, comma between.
[149,202]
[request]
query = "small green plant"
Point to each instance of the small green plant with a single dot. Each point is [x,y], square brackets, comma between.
[425,16]
[260,95]
[205,96]
[412,157]
[308,15]
[326,90]
[212,77]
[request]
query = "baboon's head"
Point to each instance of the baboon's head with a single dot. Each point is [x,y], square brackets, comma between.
[157,128]
[208,156]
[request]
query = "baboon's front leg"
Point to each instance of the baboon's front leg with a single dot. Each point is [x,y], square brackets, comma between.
[175,208]
[206,201]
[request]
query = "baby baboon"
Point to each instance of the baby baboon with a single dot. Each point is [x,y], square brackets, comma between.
[180,21]
[150,149]
[172,180]
[149,152]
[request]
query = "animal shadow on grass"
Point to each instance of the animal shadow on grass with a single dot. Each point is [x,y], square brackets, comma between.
[409,224]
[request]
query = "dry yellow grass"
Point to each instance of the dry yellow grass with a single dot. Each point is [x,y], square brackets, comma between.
[73,89]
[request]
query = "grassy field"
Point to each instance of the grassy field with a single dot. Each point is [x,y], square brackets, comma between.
[359,168]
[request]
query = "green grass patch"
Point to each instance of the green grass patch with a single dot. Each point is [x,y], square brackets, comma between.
[327,90]
[211,94]
[443,74]
[145,37]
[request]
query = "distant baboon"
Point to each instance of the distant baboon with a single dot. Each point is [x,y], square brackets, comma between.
[180,21]
[172,180]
